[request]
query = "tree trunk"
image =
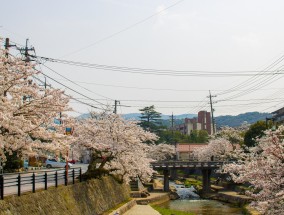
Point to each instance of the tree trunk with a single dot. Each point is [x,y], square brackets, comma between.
[96,167]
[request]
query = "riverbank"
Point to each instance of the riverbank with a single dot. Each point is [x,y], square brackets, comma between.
[137,204]
[221,194]
[158,198]
[91,197]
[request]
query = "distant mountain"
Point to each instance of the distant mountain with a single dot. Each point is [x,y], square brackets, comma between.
[136,116]
[84,116]
[235,121]
[228,120]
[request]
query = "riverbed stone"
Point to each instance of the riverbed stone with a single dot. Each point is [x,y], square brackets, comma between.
[174,196]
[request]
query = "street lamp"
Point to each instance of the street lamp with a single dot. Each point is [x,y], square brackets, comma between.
[68,131]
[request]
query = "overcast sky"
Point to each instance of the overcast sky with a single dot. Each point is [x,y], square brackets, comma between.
[225,36]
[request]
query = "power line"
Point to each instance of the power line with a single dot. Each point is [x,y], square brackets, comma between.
[158,89]
[26,54]
[252,79]
[76,83]
[75,99]
[189,101]
[124,29]
[162,72]
[70,88]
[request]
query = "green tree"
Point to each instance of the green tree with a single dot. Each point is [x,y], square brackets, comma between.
[202,136]
[13,162]
[255,130]
[170,137]
[193,136]
[150,119]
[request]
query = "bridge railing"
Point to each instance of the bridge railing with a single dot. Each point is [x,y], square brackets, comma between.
[164,164]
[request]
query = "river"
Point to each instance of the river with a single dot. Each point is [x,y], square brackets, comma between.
[202,207]
[190,202]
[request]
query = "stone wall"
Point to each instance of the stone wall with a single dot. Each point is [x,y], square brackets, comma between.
[92,197]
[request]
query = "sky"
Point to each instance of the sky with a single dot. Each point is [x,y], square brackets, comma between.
[172,37]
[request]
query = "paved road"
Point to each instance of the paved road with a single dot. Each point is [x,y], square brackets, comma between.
[10,180]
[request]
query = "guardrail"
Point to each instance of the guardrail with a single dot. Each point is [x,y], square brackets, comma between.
[36,180]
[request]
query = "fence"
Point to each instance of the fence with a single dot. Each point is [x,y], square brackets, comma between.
[17,184]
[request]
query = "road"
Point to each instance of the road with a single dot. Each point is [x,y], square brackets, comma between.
[11,180]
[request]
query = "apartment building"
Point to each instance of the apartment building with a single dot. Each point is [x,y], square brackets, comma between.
[202,122]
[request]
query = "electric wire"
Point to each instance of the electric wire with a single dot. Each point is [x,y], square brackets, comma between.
[158,89]
[75,82]
[162,72]
[252,79]
[124,29]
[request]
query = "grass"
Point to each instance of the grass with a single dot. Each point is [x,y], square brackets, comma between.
[192,182]
[165,211]
[117,206]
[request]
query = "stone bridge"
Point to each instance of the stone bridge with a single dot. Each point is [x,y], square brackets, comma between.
[170,167]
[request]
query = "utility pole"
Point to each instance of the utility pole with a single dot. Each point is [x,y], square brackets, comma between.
[212,110]
[7,46]
[25,51]
[45,83]
[173,141]
[115,106]
[172,127]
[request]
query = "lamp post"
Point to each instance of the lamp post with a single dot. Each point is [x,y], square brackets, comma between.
[68,131]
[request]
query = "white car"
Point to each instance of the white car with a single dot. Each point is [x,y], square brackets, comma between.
[50,163]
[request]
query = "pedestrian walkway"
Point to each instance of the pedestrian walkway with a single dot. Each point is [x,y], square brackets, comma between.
[142,210]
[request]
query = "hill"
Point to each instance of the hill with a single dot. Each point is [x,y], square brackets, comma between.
[228,120]
[235,121]
[136,116]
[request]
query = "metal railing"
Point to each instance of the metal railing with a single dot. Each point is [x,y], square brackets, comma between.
[17,184]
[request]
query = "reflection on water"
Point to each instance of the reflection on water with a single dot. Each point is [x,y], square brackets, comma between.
[202,207]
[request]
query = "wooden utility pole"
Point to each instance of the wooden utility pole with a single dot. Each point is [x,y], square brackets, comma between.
[7,46]
[115,106]
[212,110]
[172,128]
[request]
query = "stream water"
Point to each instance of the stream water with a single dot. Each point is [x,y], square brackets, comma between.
[190,202]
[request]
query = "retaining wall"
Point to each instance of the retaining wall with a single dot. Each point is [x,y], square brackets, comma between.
[92,197]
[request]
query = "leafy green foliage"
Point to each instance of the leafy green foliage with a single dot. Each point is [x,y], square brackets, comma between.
[13,162]
[193,182]
[150,118]
[255,130]
[168,136]
[198,136]
[165,211]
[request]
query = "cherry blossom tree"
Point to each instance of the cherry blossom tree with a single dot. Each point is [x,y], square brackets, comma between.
[262,166]
[234,135]
[27,111]
[117,146]
[219,148]
[221,145]
[161,151]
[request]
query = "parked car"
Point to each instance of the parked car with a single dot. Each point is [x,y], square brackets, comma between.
[72,161]
[50,163]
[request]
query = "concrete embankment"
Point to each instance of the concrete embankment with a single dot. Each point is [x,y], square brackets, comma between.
[92,197]
[139,205]
[231,197]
